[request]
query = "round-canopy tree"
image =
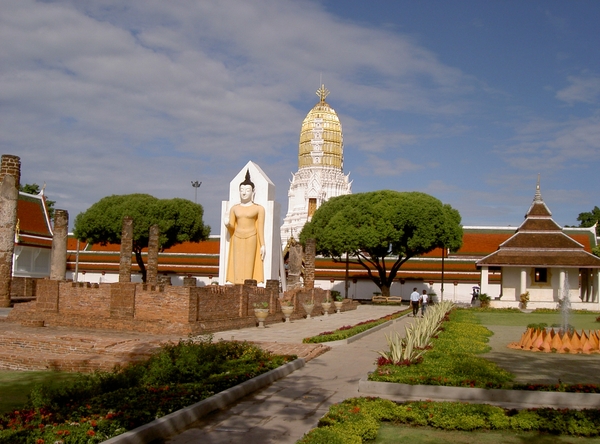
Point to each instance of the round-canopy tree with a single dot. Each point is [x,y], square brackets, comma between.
[179,220]
[383,224]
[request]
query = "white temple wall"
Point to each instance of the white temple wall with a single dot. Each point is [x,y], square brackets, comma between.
[538,292]
[364,289]
[511,281]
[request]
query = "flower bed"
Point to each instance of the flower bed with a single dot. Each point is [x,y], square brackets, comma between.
[358,419]
[348,331]
[452,360]
[417,338]
[96,407]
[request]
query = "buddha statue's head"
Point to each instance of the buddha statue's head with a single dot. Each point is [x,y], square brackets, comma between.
[247,189]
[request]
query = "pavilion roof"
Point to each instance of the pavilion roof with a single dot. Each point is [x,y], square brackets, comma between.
[541,242]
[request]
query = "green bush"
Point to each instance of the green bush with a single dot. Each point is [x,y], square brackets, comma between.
[329,436]
[537,326]
[357,419]
[453,359]
[97,406]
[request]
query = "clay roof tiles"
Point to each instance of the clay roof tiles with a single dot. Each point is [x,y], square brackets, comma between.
[33,220]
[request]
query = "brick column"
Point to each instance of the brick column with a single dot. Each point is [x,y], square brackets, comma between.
[189,281]
[126,250]
[11,165]
[9,196]
[309,263]
[272,285]
[295,267]
[152,268]
[58,261]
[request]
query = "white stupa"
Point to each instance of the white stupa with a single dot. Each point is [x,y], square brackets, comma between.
[320,173]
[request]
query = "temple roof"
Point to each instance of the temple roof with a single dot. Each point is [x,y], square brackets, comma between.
[540,242]
[34,227]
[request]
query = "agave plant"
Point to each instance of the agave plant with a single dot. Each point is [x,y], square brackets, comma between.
[417,336]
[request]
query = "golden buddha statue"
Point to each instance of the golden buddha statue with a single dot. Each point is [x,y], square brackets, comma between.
[245,223]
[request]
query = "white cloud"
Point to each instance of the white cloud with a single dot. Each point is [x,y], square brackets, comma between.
[104,97]
[584,89]
[110,97]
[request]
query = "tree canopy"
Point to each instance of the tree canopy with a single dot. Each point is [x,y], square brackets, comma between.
[383,224]
[590,218]
[179,220]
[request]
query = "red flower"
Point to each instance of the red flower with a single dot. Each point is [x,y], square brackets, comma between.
[39,441]
[91,432]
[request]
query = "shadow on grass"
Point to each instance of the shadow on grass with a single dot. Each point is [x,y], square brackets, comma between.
[16,385]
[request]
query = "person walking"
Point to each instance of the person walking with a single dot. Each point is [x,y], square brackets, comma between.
[414,301]
[424,300]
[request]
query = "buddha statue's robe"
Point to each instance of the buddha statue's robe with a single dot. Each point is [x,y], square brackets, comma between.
[246,227]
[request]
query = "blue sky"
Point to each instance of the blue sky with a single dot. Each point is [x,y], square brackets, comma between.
[465,100]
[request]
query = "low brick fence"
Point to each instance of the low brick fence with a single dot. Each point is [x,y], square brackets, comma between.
[157,309]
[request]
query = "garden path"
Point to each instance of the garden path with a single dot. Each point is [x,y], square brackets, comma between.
[285,410]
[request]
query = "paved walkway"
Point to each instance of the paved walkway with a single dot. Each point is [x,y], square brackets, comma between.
[284,411]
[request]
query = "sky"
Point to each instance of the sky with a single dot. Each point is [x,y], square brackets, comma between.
[466,100]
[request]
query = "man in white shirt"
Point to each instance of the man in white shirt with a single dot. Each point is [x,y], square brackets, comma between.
[414,301]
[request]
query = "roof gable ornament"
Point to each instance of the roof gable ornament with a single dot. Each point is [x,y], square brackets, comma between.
[538,194]
[538,208]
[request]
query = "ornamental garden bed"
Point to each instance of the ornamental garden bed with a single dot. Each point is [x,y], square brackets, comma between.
[456,358]
[357,420]
[348,331]
[95,407]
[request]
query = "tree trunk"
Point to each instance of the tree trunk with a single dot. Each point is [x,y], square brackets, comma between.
[385,290]
[140,262]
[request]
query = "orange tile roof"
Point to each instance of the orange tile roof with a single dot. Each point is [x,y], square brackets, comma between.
[34,225]
[203,258]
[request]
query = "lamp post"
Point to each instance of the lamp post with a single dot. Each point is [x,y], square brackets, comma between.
[196,185]
[442,288]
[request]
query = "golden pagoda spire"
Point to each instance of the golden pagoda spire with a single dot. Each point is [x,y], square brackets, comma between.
[322,92]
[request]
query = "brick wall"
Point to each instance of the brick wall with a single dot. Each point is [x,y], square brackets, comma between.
[170,304]
[22,287]
[157,309]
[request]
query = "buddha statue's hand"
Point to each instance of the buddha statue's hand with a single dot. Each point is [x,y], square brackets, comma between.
[263,251]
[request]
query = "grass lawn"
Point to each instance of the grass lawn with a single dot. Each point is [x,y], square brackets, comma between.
[391,434]
[16,385]
[585,321]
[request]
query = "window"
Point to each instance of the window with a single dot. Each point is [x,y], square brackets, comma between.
[541,275]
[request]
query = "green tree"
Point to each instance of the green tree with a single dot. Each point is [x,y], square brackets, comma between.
[179,220]
[383,224]
[34,188]
[590,218]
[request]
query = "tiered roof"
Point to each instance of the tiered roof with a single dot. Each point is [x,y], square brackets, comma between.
[34,228]
[541,242]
